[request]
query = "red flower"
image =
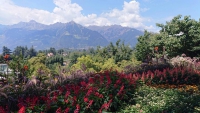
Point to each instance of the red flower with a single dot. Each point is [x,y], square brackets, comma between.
[32,101]
[6,56]
[77,108]
[66,110]
[76,111]
[74,100]
[76,89]
[120,91]
[90,103]
[115,85]
[108,81]
[89,92]
[2,110]
[67,94]
[105,105]
[83,83]
[48,101]
[111,96]
[118,81]
[98,95]
[86,99]
[20,103]
[101,79]
[55,96]
[25,67]
[91,80]
[156,48]
[59,110]
[60,90]
[22,110]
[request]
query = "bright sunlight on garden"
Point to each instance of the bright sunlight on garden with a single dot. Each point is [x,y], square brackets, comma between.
[160,75]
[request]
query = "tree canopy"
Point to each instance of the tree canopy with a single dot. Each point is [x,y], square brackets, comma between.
[178,36]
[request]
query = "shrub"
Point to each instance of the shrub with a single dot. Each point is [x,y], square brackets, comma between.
[186,62]
[155,100]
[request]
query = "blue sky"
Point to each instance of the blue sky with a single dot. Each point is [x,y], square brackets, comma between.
[140,14]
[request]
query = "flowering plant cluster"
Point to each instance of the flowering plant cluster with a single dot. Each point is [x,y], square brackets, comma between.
[187,62]
[107,91]
[174,76]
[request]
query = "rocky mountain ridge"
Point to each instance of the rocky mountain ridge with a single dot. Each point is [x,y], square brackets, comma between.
[64,35]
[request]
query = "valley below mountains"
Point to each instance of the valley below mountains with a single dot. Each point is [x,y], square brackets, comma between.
[64,35]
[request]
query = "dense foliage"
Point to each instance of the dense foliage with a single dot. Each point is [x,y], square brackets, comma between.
[175,37]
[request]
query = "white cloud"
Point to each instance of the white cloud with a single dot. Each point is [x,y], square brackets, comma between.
[128,16]
[92,19]
[66,11]
[11,14]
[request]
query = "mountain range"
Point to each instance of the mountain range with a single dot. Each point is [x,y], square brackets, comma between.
[64,35]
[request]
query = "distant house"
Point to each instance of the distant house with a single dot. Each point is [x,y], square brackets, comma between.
[64,54]
[4,69]
[50,54]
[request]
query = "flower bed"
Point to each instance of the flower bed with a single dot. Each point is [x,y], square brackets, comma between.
[108,91]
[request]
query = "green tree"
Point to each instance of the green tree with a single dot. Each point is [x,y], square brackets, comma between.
[186,31]
[176,37]
[54,59]
[142,49]
[1,59]
[52,50]
[86,64]
[32,52]
[119,51]
[60,51]
[73,58]
[6,50]
[37,64]
[20,50]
